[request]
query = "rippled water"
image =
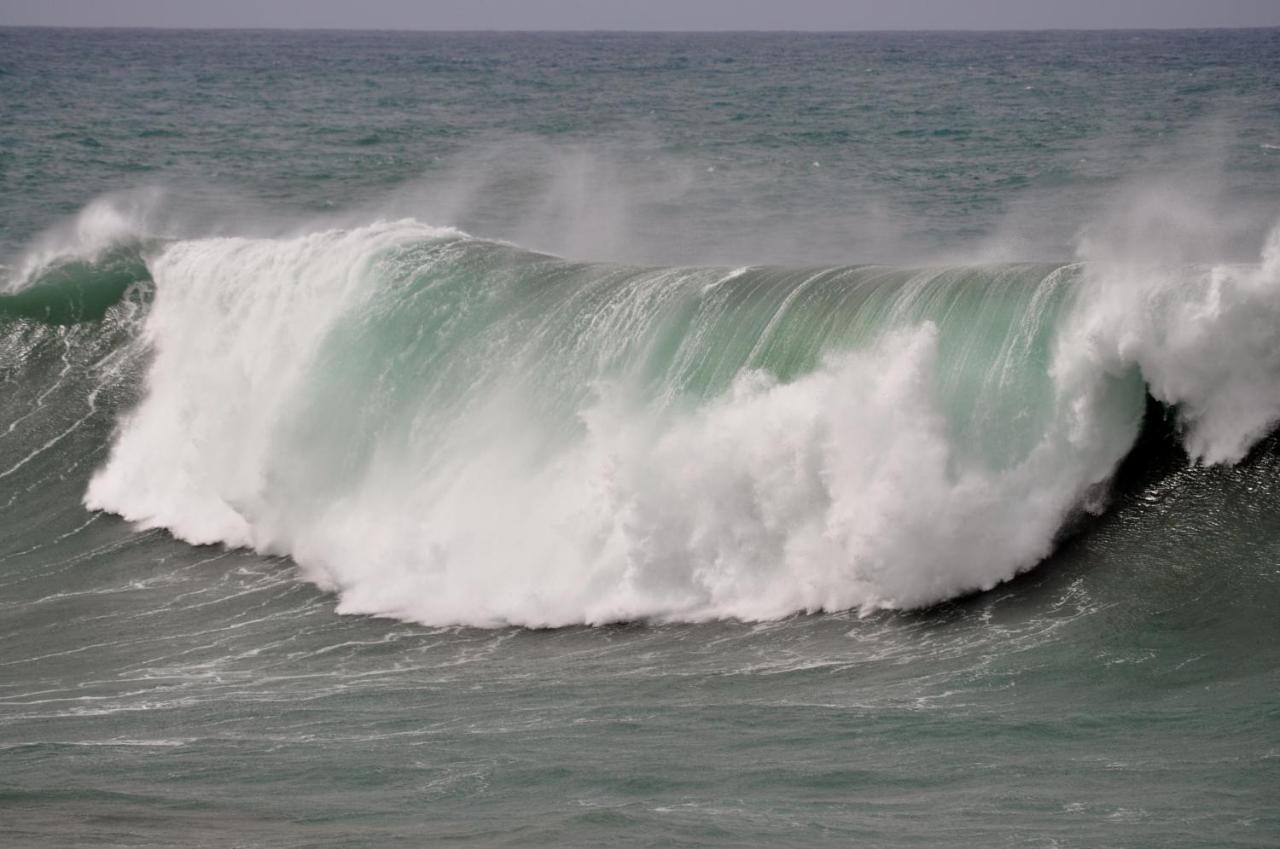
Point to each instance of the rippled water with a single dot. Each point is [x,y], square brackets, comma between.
[154,692]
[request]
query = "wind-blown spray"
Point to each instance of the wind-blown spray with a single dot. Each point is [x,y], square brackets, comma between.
[451,430]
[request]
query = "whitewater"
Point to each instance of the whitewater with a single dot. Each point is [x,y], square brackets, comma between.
[457,431]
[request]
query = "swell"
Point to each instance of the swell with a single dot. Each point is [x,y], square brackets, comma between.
[77,289]
[451,430]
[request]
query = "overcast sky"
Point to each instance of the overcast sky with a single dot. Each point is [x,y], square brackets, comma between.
[646,14]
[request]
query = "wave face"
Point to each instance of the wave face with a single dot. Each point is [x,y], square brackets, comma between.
[451,430]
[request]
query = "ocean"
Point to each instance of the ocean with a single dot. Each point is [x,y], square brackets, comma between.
[643,440]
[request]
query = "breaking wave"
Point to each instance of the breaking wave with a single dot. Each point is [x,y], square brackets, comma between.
[458,431]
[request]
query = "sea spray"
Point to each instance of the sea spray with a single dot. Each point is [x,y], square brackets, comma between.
[456,431]
[1204,337]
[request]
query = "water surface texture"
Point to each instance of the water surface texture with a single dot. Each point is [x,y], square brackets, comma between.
[639,440]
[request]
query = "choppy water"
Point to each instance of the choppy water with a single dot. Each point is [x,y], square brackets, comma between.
[725,440]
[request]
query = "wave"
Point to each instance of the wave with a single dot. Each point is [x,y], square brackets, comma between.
[458,431]
[77,290]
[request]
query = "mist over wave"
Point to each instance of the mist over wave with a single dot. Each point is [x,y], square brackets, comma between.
[453,430]
[466,332]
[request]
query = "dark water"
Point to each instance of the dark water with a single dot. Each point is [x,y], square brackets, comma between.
[756,502]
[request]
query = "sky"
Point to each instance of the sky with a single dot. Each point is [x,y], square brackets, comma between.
[645,14]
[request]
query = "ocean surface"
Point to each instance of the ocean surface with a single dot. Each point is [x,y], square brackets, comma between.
[552,440]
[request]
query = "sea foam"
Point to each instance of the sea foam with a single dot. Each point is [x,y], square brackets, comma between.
[449,430]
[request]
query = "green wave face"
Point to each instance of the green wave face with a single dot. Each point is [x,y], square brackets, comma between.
[74,290]
[448,322]
[415,416]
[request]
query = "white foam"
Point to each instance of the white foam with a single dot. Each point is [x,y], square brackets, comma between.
[233,326]
[1206,337]
[840,489]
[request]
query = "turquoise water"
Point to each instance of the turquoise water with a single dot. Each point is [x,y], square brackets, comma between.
[648,440]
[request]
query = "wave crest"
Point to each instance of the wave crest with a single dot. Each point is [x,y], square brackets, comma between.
[456,431]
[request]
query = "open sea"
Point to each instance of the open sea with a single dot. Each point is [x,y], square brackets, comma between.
[639,440]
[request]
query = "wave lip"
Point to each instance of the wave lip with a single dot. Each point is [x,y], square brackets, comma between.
[453,431]
[71,291]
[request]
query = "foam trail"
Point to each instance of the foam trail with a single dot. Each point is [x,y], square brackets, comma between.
[456,431]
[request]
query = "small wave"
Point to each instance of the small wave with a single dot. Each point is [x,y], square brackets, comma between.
[68,291]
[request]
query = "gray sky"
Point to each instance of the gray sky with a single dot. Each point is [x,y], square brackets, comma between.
[646,14]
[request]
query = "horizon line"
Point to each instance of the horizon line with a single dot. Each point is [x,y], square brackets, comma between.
[607,31]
